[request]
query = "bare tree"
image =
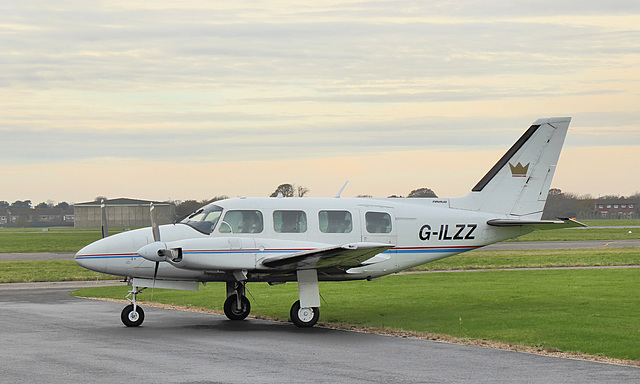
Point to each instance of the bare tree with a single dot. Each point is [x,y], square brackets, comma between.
[302,191]
[290,190]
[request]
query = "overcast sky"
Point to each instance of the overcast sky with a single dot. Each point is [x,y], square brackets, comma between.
[193,99]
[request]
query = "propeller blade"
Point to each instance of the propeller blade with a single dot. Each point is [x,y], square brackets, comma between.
[155,273]
[105,227]
[156,238]
[154,223]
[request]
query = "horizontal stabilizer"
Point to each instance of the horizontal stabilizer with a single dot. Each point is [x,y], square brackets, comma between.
[347,256]
[537,224]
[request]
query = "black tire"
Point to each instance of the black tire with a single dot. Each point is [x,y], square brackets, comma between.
[131,318]
[231,308]
[304,317]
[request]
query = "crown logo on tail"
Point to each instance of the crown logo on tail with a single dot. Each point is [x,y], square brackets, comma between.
[519,170]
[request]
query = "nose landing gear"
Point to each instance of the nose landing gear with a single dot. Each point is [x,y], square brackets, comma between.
[132,315]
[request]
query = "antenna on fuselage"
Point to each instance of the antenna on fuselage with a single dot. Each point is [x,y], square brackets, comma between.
[337,196]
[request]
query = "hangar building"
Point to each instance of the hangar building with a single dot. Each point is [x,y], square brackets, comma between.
[123,213]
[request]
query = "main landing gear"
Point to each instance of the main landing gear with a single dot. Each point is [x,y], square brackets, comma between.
[304,317]
[237,306]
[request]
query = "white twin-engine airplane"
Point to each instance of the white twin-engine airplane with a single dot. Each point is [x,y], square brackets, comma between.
[277,240]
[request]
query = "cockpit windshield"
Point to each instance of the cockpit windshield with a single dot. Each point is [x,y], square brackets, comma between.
[204,219]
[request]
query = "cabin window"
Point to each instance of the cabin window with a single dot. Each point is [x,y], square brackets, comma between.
[242,222]
[289,221]
[335,221]
[378,222]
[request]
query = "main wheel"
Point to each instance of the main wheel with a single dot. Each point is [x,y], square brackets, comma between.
[304,317]
[132,318]
[231,308]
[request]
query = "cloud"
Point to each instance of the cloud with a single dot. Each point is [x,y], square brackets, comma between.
[212,82]
[136,49]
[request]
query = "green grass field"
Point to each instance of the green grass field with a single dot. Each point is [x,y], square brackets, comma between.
[583,311]
[48,270]
[611,223]
[582,234]
[45,241]
[60,239]
[538,258]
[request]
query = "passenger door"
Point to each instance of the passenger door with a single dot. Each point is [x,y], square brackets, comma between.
[378,225]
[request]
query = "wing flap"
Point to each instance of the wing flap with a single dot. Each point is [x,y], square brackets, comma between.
[346,256]
[537,224]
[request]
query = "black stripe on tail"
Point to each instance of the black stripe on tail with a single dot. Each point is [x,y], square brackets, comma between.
[503,161]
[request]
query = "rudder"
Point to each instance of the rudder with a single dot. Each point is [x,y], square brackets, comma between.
[518,184]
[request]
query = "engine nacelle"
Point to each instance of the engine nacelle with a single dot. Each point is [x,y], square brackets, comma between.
[152,252]
[212,254]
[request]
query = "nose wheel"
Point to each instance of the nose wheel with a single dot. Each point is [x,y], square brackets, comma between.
[304,317]
[132,315]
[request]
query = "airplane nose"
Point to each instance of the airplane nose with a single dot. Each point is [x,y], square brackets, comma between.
[91,258]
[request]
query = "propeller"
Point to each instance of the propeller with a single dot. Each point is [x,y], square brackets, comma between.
[155,230]
[104,226]
[157,250]
[156,236]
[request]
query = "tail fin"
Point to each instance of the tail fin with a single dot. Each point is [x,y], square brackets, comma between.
[519,183]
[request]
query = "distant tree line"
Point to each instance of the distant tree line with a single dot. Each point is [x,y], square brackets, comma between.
[559,204]
[562,204]
[420,192]
[21,213]
[26,204]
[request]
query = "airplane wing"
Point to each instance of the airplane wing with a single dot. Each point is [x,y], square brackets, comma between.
[537,224]
[346,256]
